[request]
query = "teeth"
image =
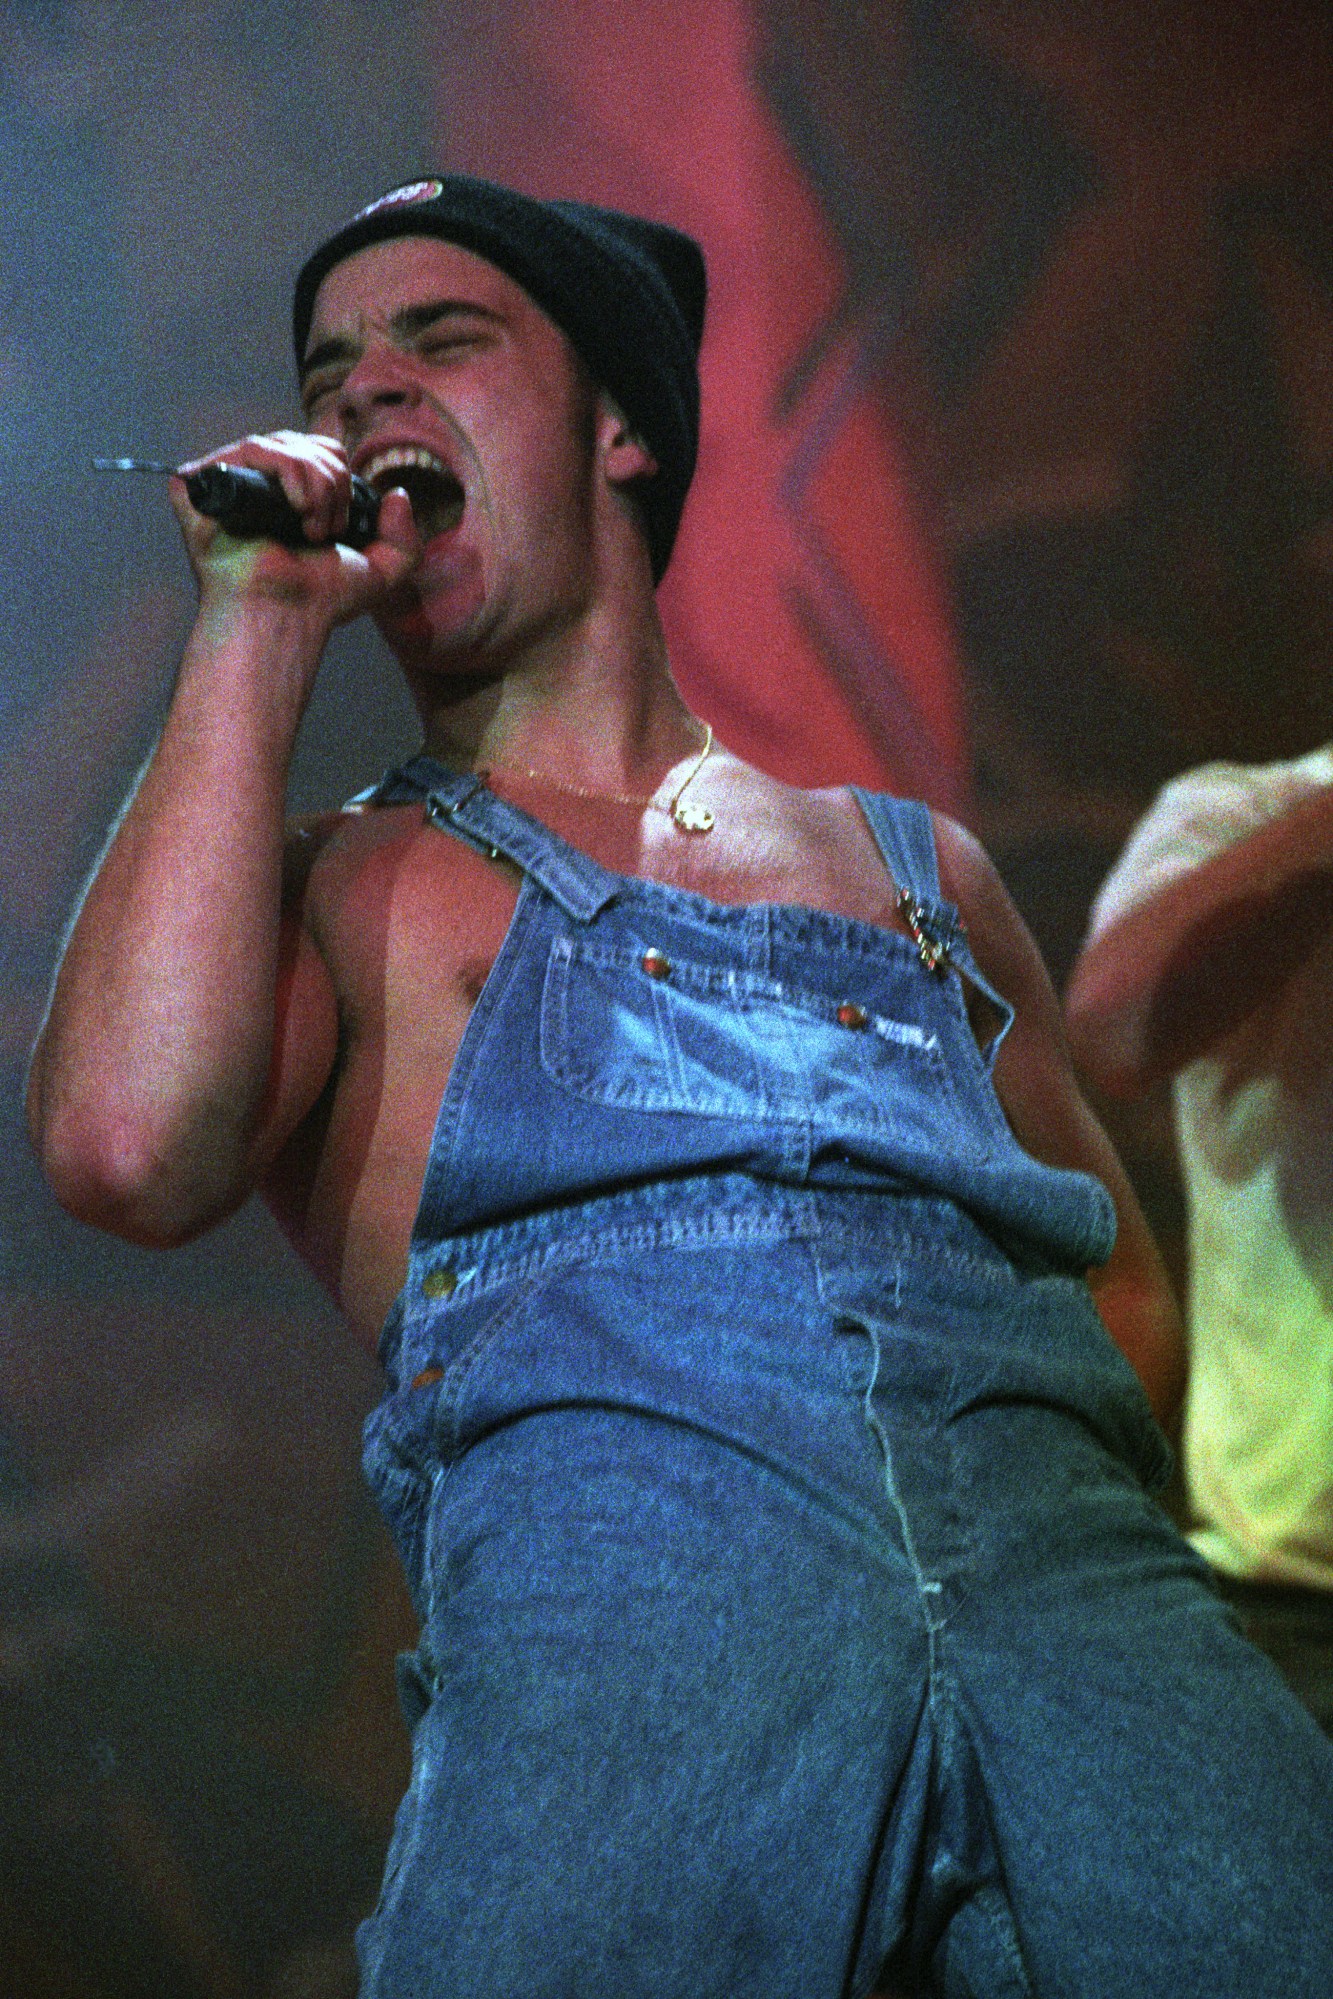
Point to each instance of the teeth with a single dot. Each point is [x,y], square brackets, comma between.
[436,492]
[401,458]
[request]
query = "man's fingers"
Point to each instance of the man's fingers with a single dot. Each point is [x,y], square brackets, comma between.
[314,476]
[396,549]
[180,499]
[397,525]
[311,470]
[374,573]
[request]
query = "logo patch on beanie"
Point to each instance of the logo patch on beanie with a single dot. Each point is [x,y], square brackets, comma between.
[400,197]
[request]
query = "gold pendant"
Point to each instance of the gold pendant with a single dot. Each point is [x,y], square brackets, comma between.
[692,818]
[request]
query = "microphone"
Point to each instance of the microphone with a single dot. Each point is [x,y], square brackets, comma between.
[253,506]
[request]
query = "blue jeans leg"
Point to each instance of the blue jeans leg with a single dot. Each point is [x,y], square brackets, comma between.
[819,1625]
[1159,1808]
[664,1734]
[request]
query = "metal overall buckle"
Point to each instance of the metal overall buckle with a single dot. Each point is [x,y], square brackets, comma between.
[932,928]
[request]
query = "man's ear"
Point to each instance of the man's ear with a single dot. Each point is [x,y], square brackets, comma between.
[624,455]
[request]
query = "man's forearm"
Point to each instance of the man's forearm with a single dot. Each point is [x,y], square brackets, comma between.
[148,1095]
[152,1066]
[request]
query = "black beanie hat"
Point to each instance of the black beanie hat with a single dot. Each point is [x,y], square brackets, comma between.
[628,295]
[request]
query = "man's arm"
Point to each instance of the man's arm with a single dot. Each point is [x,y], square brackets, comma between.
[1191,960]
[192,1023]
[1050,1118]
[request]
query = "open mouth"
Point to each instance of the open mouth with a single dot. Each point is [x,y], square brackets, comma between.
[435,492]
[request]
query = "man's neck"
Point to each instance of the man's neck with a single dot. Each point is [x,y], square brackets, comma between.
[593,704]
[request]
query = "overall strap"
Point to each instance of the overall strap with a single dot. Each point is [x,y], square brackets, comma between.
[906,839]
[458,802]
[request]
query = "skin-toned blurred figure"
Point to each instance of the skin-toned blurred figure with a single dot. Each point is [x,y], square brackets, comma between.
[1210,960]
[795,1610]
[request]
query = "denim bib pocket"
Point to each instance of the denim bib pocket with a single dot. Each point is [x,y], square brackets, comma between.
[633,1029]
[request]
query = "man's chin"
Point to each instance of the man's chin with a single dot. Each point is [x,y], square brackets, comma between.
[437,616]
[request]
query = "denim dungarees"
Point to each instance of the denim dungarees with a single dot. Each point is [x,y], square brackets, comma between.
[777,1509]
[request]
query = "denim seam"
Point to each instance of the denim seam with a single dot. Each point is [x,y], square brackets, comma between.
[928,1590]
[920,1250]
[794,1219]
[430,1588]
[465,1361]
[670,1232]
[446,1430]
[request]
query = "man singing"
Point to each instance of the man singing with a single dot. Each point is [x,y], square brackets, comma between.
[795,1610]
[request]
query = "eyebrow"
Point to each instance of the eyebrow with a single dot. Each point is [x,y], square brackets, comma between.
[407,322]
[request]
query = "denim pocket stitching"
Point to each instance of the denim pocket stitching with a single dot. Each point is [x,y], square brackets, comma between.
[658,1081]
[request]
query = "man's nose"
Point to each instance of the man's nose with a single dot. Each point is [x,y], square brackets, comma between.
[383,378]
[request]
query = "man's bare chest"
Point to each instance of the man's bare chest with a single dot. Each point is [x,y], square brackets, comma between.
[410,920]
[413,918]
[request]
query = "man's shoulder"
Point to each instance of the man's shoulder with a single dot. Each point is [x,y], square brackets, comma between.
[325,852]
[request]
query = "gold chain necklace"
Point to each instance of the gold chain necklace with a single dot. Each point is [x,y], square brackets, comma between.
[690,818]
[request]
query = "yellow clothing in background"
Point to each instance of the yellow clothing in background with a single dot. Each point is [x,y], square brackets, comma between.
[1258,1425]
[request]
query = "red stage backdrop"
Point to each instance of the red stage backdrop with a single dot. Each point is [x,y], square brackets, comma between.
[804,607]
